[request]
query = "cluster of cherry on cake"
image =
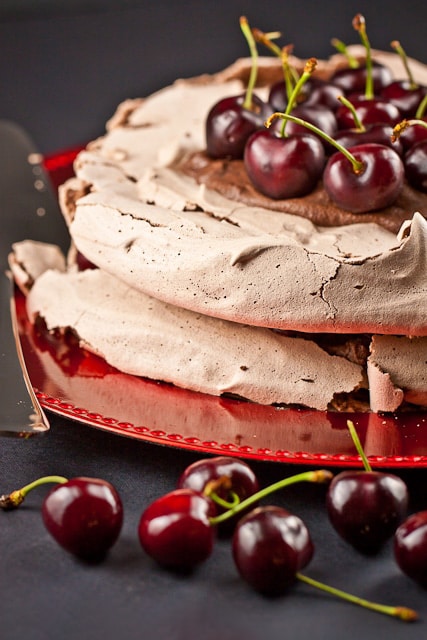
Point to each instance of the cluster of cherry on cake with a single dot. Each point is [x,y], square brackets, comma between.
[361,133]
[220,497]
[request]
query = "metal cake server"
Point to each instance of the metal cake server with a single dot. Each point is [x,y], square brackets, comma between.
[28,210]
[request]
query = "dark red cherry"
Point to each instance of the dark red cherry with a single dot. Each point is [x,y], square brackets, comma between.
[226,476]
[365,507]
[315,92]
[378,133]
[323,93]
[176,531]
[270,545]
[376,186]
[284,167]
[410,547]
[415,162]
[412,135]
[369,111]
[404,96]
[83,263]
[229,125]
[319,115]
[84,515]
[354,80]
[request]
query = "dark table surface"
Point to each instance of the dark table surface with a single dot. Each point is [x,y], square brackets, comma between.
[64,67]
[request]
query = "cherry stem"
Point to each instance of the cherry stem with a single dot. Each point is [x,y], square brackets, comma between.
[320,475]
[309,67]
[341,47]
[289,73]
[403,613]
[400,127]
[225,503]
[402,53]
[358,445]
[421,107]
[358,166]
[17,497]
[359,24]
[357,121]
[247,32]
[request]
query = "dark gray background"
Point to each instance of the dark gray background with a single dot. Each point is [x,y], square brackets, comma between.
[65,64]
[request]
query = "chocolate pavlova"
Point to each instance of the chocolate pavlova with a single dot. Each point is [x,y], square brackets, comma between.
[199,280]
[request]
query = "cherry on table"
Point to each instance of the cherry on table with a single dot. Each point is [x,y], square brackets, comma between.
[175,530]
[270,545]
[410,547]
[228,478]
[84,515]
[364,506]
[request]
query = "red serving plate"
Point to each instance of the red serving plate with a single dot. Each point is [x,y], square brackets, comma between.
[74,383]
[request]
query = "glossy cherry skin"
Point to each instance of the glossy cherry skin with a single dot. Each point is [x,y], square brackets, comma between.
[270,545]
[376,187]
[84,515]
[378,133]
[366,507]
[175,529]
[322,117]
[228,126]
[412,135]
[354,80]
[404,97]
[410,547]
[284,167]
[225,475]
[314,91]
[415,161]
[369,112]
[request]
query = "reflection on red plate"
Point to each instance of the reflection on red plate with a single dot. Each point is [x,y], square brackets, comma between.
[74,383]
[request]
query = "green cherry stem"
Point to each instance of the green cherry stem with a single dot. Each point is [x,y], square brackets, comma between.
[17,497]
[290,74]
[358,445]
[421,107]
[403,613]
[358,124]
[320,475]
[395,44]
[359,24]
[341,47]
[358,167]
[247,32]
[309,67]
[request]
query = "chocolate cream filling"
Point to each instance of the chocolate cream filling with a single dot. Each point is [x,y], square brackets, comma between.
[229,178]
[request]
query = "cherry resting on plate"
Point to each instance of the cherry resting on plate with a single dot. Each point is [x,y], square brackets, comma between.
[270,545]
[84,515]
[176,530]
[410,547]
